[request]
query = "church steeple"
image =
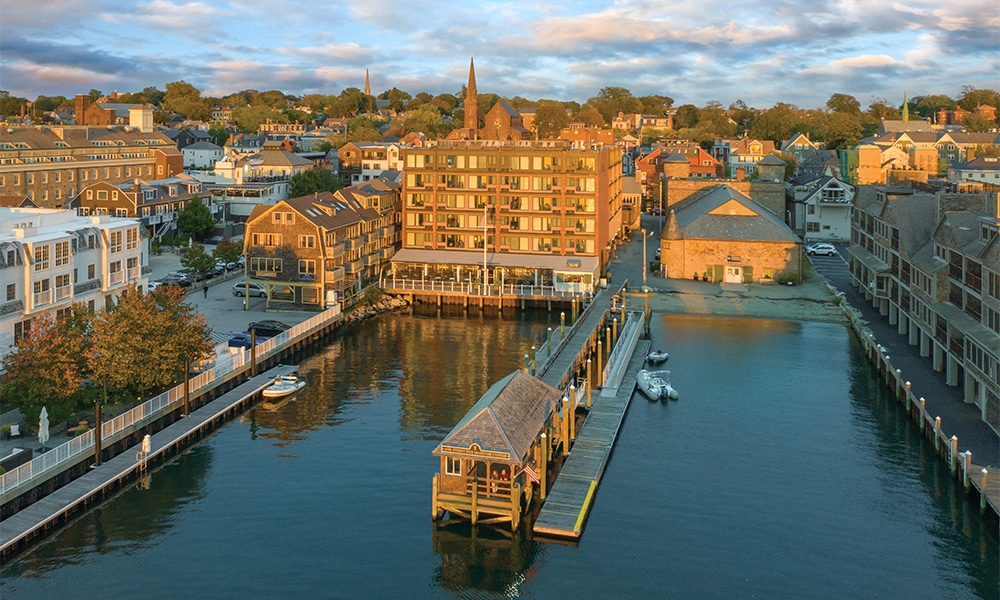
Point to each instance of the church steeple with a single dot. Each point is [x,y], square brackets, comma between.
[906,109]
[368,85]
[471,104]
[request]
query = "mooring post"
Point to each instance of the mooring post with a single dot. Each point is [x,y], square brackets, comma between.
[908,394]
[533,350]
[982,490]
[590,383]
[562,324]
[600,364]
[967,457]
[527,362]
[543,465]
[614,329]
[607,337]
[953,459]
[937,433]
[548,341]
[923,414]
[898,385]
[573,305]
[253,353]
[567,427]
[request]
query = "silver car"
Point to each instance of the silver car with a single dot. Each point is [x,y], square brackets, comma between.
[250,289]
[820,248]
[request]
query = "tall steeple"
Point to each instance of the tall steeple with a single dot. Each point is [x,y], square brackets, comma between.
[471,104]
[368,85]
[906,109]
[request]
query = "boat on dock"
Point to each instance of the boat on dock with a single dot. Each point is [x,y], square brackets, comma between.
[286,385]
[655,385]
[656,357]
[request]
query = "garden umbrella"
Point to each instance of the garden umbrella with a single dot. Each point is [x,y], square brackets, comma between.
[43,428]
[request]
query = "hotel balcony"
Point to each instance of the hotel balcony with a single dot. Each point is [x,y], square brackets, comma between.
[43,298]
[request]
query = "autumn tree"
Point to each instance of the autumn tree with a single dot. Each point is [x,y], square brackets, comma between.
[185,99]
[550,119]
[141,343]
[227,250]
[879,109]
[196,260]
[47,367]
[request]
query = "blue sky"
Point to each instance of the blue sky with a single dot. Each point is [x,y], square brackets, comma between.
[695,51]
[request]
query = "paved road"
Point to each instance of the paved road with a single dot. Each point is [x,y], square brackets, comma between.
[957,417]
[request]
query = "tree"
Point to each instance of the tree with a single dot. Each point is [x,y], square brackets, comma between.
[195,220]
[396,97]
[227,250]
[185,99]
[879,109]
[311,182]
[591,117]
[10,105]
[655,105]
[971,98]
[613,100]
[94,94]
[977,123]
[791,164]
[197,261]
[218,133]
[686,116]
[742,114]
[928,106]
[47,367]
[141,343]
[250,118]
[713,119]
[426,119]
[776,124]
[844,103]
[550,119]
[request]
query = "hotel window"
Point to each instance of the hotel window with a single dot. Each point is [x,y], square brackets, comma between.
[307,241]
[267,239]
[42,285]
[62,281]
[132,239]
[90,271]
[41,258]
[116,241]
[21,329]
[11,291]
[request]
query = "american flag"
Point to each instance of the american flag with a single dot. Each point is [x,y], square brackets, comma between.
[530,472]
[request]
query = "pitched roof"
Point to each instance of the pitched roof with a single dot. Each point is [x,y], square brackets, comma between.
[720,212]
[506,419]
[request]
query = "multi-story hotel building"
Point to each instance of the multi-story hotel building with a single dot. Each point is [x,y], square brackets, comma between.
[931,264]
[50,259]
[539,213]
[52,164]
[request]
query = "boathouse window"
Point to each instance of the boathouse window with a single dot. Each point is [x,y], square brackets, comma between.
[453,466]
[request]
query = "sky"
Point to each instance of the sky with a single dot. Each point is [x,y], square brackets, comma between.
[762,52]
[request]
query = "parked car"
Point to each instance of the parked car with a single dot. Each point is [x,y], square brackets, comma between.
[268,328]
[820,248]
[215,239]
[657,211]
[251,289]
[181,280]
[242,339]
[656,255]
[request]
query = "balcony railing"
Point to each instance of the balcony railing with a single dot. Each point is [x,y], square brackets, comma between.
[43,297]
[117,277]
[474,289]
[64,292]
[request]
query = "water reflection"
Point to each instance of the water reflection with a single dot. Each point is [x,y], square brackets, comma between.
[483,558]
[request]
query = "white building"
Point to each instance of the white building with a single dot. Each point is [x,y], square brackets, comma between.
[202,155]
[819,207]
[50,259]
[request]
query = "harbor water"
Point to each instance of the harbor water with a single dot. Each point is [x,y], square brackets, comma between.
[784,471]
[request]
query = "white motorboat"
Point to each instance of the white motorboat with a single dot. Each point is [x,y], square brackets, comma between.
[285,385]
[655,385]
[657,356]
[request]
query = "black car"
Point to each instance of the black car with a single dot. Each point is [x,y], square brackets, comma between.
[268,328]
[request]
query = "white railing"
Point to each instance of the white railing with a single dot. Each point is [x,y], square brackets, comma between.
[155,407]
[474,289]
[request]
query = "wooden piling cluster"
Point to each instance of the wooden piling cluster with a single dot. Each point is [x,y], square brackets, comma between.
[976,480]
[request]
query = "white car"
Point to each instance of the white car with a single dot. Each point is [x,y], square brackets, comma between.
[820,248]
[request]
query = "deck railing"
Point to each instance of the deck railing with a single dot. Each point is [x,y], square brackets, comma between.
[69,452]
[477,289]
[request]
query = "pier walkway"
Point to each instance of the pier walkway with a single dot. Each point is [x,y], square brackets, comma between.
[567,503]
[37,518]
[557,369]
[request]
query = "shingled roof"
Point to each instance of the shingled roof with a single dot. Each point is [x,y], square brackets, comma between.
[505,420]
[720,212]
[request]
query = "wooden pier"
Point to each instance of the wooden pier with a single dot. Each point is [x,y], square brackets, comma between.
[37,519]
[569,500]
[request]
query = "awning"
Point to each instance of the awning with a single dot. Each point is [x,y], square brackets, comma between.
[968,326]
[561,264]
[868,259]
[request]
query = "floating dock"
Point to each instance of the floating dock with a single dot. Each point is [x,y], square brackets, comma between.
[568,502]
[36,519]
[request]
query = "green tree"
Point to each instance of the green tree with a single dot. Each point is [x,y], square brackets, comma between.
[713,119]
[978,123]
[591,117]
[425,119]
[250,118]
[218,133]
[844,103]
[879,109]
[550,119]
[94,94]
[971,98]
[743,115]
[613,100]
[928,106]
[185,99]
[196,261]
[227,250]
[47,367]
[776,124]
[195,220]
[791,164]
[10,105]
[311,182]
[686,116]
[986,150]
[655,105]
[396,97]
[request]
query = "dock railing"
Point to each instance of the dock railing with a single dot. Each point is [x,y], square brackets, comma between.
[395,285]
[54,460]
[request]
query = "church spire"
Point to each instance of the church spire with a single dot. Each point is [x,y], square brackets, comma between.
[368,86]
[471,104]
[906,109]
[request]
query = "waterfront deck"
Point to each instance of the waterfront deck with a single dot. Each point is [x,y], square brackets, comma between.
[568,502]
[557,370]
[34,520]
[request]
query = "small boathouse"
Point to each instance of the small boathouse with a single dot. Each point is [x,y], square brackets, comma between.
[488,461]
